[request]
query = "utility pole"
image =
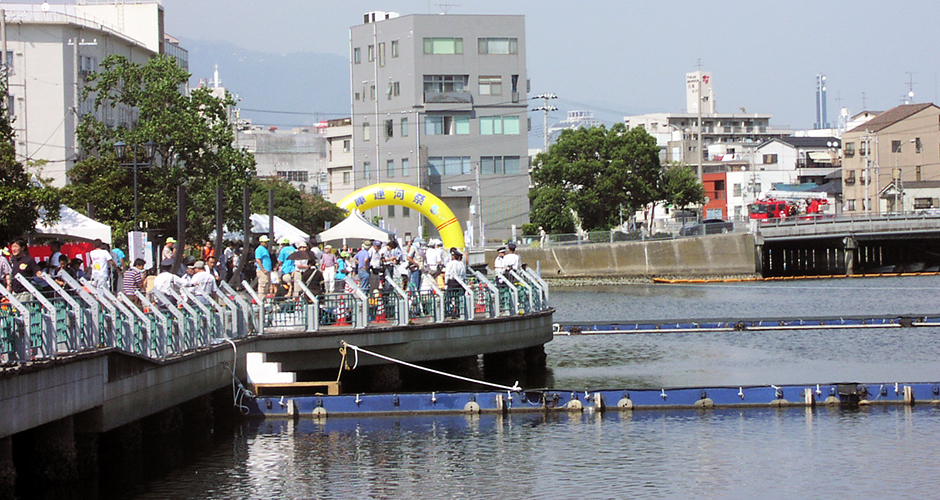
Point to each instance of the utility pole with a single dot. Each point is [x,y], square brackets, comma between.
[545,108]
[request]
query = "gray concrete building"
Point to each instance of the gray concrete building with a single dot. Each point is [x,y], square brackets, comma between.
[439,102]
[50,51]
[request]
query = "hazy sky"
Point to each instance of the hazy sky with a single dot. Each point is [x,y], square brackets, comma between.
[631,57]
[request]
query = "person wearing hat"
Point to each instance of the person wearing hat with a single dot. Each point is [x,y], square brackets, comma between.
[286,266]
[263,265]
[169,250]
[375,264]
[455,269]
[500,264]
[434,256]
[512,260]
[301,267]
[205,288]
[362,265]
[167,281]
[328,268]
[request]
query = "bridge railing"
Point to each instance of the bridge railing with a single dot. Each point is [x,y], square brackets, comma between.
[852,218]
[77,317]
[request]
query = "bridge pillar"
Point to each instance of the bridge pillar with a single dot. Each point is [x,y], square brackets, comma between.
[7,469]
[45,460]
[851,245]
[758,253]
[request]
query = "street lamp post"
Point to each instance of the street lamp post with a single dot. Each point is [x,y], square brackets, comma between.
[120,149]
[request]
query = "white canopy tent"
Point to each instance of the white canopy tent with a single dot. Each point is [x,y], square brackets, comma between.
[74,226]
[355,227]
[259,225]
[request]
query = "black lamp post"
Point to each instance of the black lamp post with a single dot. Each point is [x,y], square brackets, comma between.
[120,149]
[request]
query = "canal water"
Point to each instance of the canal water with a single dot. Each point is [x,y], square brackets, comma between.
[774,453]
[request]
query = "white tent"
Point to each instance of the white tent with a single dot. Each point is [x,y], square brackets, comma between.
[74,226]
[355,227]
[259,225]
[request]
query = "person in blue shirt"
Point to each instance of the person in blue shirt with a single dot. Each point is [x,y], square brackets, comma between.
[263,264]
[287,265]
[362,264]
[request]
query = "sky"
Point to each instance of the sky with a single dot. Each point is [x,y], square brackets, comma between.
[631,57]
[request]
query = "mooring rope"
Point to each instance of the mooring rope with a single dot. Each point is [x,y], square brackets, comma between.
[239,392]
[357,349]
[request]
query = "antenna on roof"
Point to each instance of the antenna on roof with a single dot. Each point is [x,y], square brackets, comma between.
[910,87]
[446,7]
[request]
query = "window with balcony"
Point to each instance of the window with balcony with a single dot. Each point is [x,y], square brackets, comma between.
[443,45]
[848,149]
[849,177]
[446,83]
[491,85]
[498,45]
[499,125]
[446,125]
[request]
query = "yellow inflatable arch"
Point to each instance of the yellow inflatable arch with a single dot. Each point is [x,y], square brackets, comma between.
[415,198]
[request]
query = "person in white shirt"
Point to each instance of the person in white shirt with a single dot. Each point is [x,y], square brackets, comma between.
[434,258]
[499,266]
[165,282]
[512,260]
[204,285]
[101,265]
[455,269]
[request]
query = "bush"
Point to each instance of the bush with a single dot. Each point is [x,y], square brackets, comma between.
[530,229]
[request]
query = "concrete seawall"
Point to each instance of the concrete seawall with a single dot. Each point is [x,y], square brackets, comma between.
[720,254]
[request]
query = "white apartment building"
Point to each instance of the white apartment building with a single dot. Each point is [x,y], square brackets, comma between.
[297,155]
[339,163]
[50,49]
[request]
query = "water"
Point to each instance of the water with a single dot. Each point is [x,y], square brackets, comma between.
[776,453]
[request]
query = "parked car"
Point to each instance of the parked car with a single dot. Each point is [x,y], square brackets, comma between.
[708,226]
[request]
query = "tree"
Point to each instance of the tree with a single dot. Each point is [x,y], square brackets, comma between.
[596,173]
[306,212]
[194,148]
[21,198]
[681,187]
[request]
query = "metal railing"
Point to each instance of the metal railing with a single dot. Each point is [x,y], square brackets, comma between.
[78,317]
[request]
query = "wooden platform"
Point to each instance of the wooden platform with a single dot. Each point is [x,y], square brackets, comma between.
[293,388]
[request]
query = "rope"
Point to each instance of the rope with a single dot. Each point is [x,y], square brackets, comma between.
[239,392]
[514,388]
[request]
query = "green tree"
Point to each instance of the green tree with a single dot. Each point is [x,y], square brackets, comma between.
[681,187]
[194,148]
[21,198]
[595,172]
[305,211]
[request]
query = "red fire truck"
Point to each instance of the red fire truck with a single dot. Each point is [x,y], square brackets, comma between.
[774,208]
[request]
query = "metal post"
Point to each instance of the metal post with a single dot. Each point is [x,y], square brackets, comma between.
[136,196]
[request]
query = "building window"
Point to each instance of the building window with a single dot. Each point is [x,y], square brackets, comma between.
[443,45]
[446,125]
[394,89]
[849,149]
[895,146]
[499,125]
[404,167]
[382,54]
[770,159]
[365,131]
[499,165]
[863,148]
[498,45]
[446,83]
[491,85]
[346,177]
[391,211]
[919,173]
[404,127]
[390,168]
[923,203]
[366,170]
[850,205]
[918,146]
[293,175]
[346,146]
[737,190]
[394,48]
[371,53]
[389,129]
[449,165]
[357,55]
[372,92]
[405,212]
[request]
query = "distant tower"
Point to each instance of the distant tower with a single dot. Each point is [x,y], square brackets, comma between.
[821,119]
[699,83]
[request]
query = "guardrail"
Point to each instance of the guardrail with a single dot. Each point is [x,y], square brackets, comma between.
[828,219]
[79,317]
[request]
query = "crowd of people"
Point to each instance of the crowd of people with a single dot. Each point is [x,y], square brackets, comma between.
[276,270]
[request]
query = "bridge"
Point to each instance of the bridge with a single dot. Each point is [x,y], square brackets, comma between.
[78,361]
[850,244]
